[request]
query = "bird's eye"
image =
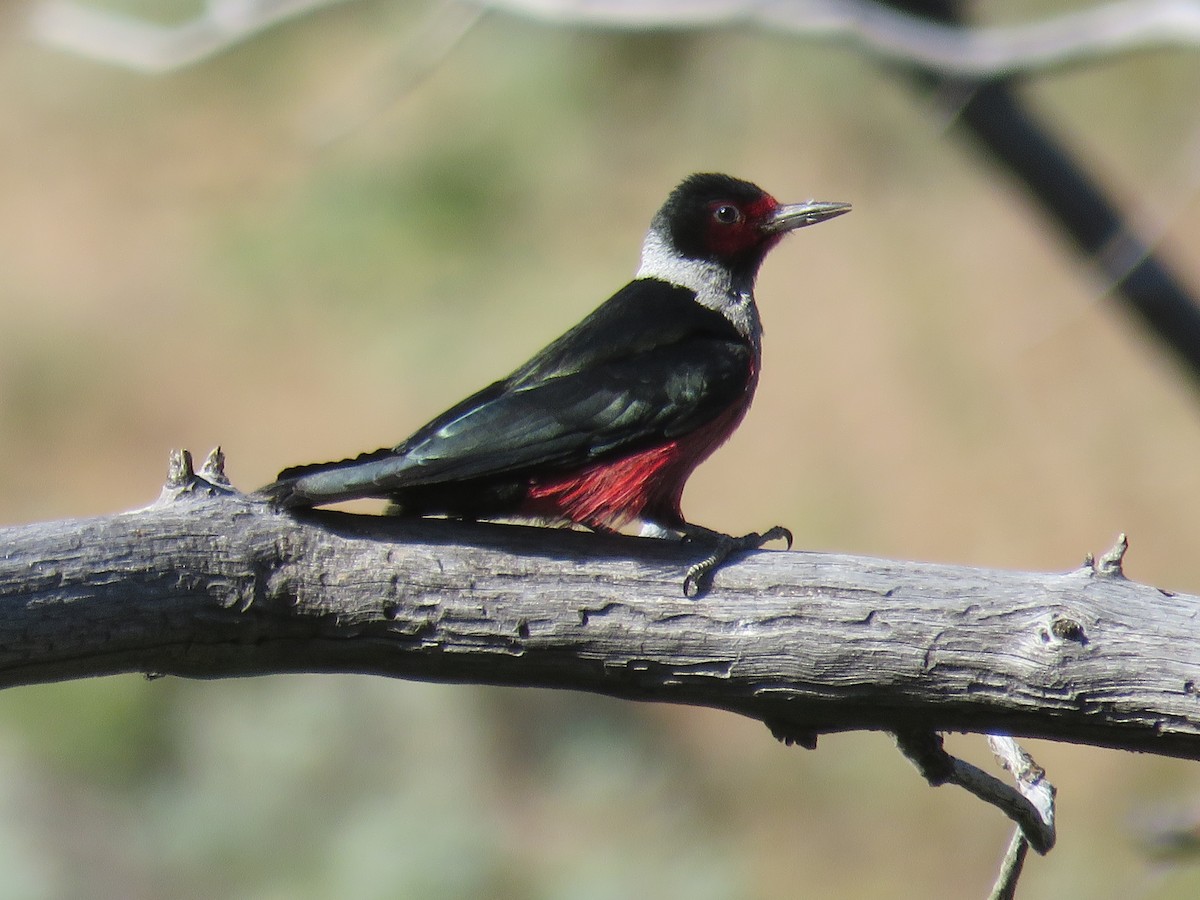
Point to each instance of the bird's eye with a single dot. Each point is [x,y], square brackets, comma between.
[727,214]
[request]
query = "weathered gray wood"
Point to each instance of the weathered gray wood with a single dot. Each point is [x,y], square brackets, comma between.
[209,583]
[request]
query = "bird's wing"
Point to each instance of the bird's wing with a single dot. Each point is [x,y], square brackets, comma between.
[572,419]
[649,365]
[556,424]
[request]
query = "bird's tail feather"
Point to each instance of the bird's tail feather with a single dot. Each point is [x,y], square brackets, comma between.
[296,486]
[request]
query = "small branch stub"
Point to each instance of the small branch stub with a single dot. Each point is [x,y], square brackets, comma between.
[183,480]
[1110,564]
[213,470]
[179,470]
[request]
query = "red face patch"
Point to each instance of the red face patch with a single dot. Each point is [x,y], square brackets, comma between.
[735,228]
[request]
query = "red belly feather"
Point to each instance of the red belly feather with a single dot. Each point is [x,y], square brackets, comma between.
[647,484]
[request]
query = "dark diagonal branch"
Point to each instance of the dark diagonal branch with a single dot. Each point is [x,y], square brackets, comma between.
[1026,145]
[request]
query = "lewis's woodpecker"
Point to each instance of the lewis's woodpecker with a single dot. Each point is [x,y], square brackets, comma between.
[604,425]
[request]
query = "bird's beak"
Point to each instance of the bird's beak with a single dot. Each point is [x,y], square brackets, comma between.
[797,215]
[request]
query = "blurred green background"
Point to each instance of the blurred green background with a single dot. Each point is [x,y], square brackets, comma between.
[188,260]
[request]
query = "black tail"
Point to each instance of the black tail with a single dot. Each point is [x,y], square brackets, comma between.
[292,488]
[282,493]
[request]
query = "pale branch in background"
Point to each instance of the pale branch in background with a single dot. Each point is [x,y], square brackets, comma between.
[132,43]
[1072,38]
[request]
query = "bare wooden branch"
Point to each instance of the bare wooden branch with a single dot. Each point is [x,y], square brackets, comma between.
[1030,804]
[209,583]
[1033,785]
[1005,887]
[1035,821]
[1102,31]
[144,46]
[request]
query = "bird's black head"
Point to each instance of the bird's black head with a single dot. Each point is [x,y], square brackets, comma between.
[721,219]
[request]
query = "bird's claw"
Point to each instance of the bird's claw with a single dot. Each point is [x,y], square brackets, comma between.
[699,576]
[777,533]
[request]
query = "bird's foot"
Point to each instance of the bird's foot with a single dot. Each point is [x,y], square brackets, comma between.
[699,577]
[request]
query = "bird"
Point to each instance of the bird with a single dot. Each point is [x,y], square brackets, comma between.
[603,427]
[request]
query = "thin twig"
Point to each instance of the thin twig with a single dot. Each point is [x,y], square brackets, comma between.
[1005,887]
[1031,782]
[1030,804]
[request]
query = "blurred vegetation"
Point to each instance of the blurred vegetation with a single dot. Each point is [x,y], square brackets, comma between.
[183,263]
